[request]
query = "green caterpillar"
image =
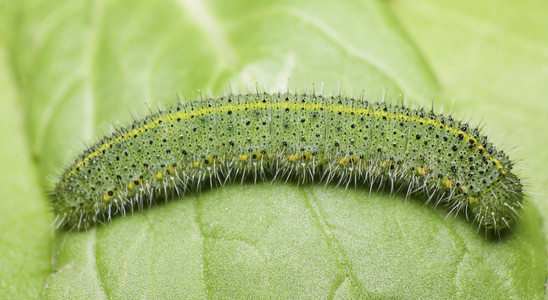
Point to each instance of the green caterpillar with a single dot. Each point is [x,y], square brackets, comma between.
[291,136]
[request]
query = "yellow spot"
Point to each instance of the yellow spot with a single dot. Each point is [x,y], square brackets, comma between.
[464,189]
[307,156]
[243,157]
[355,160]
[196,164]
[130,186]
[258,155]
[159,176]
[293,157]
[385,164]
[448,183]
[343,161]
[108,195]
[170,170]
[421,171]
[471,200]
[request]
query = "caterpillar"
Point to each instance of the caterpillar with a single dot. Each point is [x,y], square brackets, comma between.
[286,135]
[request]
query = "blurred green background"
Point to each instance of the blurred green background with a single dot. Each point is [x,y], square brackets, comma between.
[71,70]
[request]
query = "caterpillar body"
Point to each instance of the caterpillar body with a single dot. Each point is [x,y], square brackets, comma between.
[303,136]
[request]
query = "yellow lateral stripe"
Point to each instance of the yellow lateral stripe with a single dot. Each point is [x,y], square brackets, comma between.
[315,106]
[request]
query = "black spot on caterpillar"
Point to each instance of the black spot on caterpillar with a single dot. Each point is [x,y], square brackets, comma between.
[290,135]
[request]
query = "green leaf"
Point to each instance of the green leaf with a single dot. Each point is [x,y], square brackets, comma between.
[25,231]
[493,59]
[73,68]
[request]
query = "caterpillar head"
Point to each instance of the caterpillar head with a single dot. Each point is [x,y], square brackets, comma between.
[496,208]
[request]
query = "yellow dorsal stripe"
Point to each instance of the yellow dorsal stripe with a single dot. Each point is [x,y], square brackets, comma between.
[312,106]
